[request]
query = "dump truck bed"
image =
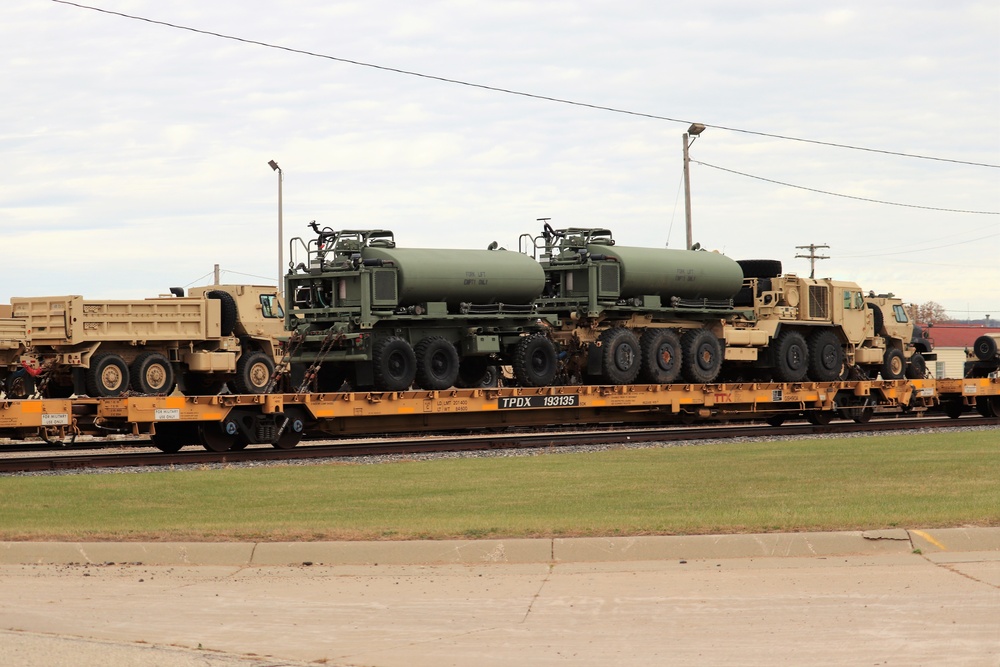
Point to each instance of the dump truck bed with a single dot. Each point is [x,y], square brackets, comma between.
[71,320]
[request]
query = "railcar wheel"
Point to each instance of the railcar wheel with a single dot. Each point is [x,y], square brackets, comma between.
[171,437]
[953,408]
[893,364]
[917,367]
[534,361]
[394,365]
[437,363]
[293,430]
[701,356]
[776,420]
[862,415]
[151,373]
[661,356]
[218,436]
[826,356]
[620,356]
[107,375]
[819,417]
[988,406]
[253,373]
[791,357]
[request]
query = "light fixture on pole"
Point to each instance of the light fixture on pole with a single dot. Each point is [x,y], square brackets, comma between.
[693,131]
[281,241]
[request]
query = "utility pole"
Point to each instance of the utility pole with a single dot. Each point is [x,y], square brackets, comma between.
[281,269]
[812,256]
[693,131]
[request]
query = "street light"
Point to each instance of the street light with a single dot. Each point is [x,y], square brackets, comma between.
[693,131]
[281,267]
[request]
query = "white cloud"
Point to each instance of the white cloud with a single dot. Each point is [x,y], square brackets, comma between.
[136,154]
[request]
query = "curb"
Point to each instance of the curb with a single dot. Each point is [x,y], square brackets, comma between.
[513,551]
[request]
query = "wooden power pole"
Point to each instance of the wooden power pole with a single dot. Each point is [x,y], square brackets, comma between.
[812,256]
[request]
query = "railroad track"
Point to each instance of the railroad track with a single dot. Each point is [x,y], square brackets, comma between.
[67,460]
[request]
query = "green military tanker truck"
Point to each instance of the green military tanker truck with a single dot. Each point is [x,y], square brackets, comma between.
[628,314]
[381,317]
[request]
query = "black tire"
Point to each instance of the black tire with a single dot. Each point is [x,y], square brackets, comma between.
[534,362]
[916,369]
[253,373]
[701,356]
[229,312]
[151,373]
[893,364]
[790,356]
[437,364]
[491,378]
[107,376]
[476,372]
[760,268]
[661,356]
[878,319]
[394,365]
[19,384]
[330,378]
[171,436]
[985,348]
[826,356]
[58,388]
[620,356]
[202,384]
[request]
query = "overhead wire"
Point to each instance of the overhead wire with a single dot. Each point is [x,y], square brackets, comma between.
[837,194]
[510,91]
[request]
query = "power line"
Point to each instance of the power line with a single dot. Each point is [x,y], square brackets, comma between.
[907,252]
[509,91]
[836,194]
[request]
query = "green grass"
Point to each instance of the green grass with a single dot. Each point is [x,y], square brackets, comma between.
[829,484]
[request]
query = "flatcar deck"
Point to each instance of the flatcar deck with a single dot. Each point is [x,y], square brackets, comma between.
[264,418]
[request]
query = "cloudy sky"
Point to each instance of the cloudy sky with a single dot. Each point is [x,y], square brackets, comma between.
[136,154]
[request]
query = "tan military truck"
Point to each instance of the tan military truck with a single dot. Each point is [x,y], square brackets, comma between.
[816,329]
[892,323]
[217,335]
[12,341]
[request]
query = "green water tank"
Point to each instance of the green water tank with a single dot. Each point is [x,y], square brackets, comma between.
[688,274]
[456,276]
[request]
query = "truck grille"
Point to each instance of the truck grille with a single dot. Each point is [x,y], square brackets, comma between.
[819,302]
[385,287]
[608,277]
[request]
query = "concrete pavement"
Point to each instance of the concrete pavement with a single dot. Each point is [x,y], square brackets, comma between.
[928,597]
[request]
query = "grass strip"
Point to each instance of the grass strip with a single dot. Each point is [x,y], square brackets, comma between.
[926,480]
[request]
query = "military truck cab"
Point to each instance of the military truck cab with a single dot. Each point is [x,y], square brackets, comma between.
[907,350]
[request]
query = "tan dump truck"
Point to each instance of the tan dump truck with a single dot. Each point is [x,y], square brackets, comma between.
[217,335]
[816,329]
[12,341]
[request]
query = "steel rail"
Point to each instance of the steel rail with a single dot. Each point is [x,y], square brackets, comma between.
[467,442]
